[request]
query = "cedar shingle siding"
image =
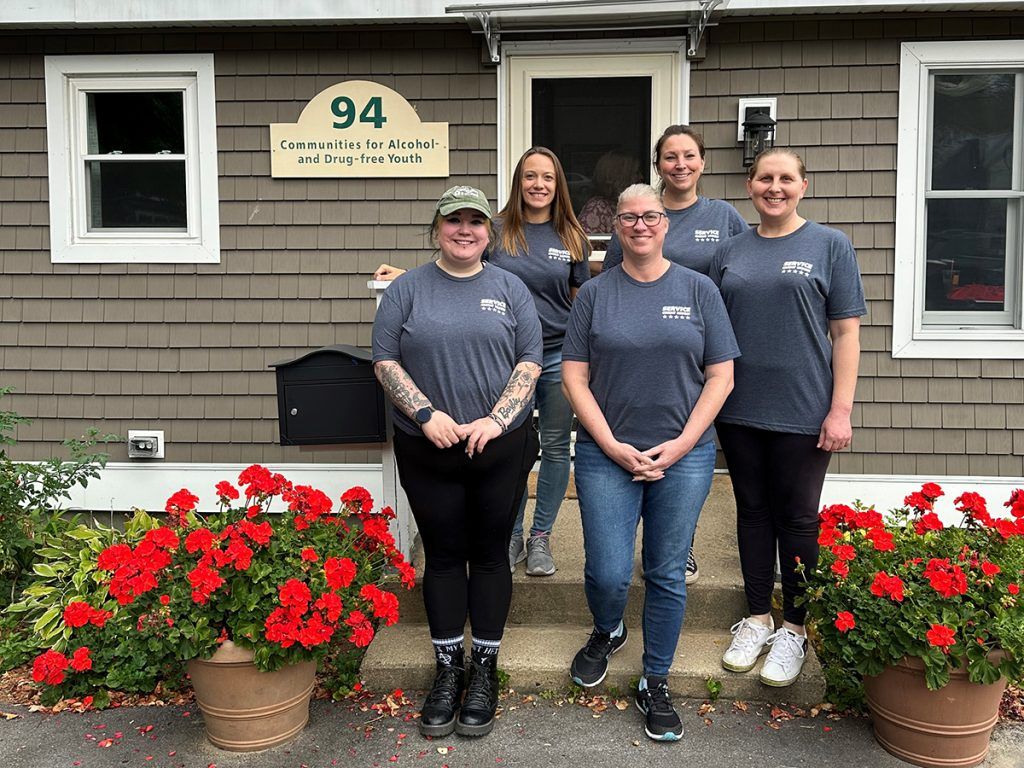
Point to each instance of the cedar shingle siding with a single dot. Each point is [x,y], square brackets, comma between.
[837,84]
[186,348]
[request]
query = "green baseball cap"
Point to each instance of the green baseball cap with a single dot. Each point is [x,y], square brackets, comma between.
[463,197]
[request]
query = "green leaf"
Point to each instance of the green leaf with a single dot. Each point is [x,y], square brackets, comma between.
[48,619]
[42,569]
[82,533]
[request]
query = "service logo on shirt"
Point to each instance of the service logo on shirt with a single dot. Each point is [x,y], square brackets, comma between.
[494,305]
[670,312]
[706,235]
[559,255]
[797,268]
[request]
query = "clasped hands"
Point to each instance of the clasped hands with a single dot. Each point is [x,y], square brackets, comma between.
[443,431]
[650,465]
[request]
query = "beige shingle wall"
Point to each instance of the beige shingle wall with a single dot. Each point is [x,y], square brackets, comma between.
[837,84]
[186,348]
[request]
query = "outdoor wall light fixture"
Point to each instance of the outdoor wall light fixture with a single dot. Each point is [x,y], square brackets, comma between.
[758,135]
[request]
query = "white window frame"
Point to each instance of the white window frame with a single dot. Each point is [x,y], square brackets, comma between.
[911,338]
[663,60]
[68,81]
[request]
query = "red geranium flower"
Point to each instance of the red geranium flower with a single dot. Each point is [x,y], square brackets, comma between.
[929,521]
[990,569]
[77,614]
[226,491]
[841,568]
[932,491]
[881,539]
[358,499]
[340,572]
[941,636]
[844,551]
[49,667]
[885,585]
[918,501]
[309,554]
[844,621]
[80,660]
[1013,589]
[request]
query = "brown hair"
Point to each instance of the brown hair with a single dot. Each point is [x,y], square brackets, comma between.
[566,225]
[674,130]
[786,151]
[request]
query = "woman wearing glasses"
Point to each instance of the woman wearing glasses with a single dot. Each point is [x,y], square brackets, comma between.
[696,224]
[647,364]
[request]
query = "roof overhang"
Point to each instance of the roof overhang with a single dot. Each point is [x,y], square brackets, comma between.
[493,18]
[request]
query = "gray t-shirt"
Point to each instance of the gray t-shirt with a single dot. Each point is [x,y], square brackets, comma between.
[781,292]
[693,234]
[549,273]
[459,338]
[647,345]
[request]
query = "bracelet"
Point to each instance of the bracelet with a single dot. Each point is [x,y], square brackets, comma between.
[498,422]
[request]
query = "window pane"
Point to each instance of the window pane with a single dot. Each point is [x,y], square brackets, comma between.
[146,195]
[966,259]
[600,128]
[136,123]
[972,144]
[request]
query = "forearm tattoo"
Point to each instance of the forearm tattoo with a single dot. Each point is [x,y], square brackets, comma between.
[518,392]
[400,387]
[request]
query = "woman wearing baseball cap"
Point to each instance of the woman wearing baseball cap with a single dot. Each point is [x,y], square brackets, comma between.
[457,346]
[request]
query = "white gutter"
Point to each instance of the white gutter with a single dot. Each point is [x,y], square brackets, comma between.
[167,13]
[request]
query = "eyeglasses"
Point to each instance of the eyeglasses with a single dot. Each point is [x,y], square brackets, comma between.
[650,218]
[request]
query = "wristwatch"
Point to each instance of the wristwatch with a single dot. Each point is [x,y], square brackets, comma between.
[423,415]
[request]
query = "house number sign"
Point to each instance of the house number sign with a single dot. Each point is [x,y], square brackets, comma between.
[358,129]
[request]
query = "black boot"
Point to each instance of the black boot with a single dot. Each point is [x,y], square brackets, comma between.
[477,715]
[437,717]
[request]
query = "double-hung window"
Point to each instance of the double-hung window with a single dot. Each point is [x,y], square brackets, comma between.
[960,201]
[132,159]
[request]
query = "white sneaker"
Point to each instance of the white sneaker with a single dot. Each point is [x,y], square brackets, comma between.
[749,641]
[785,659]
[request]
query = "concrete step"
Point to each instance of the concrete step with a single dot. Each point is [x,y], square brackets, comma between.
[537,659]
[549,621]
[715,602]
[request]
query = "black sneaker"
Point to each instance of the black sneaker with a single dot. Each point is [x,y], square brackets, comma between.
[437,718]
[590,665]
[662,720]
[476,717]
[692,571]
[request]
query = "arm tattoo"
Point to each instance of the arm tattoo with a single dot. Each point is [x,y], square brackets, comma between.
[518,392]
[400,387]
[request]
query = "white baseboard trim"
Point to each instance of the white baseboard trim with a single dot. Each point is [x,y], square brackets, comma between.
[886,492]
[125,485]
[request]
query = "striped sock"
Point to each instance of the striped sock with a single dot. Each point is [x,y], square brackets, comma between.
[485,651]
[447,648]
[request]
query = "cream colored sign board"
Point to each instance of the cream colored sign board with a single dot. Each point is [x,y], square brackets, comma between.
[359,129]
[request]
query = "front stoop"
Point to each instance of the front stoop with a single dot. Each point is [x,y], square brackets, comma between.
[549,622]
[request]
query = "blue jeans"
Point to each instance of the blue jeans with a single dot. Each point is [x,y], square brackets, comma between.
[611,506]
[555,426]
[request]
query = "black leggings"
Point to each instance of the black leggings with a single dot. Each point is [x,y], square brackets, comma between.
[465,509]
[777,479]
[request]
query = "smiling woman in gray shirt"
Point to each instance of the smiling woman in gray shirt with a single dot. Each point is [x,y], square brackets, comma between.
[794,296]
[647,363]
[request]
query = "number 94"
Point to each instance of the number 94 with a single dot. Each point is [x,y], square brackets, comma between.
[345,110]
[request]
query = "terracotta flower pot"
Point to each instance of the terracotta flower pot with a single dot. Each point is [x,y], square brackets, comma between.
[244,709]
[948,727]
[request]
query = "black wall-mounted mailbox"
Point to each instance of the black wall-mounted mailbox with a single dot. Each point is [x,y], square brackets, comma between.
[330,396]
